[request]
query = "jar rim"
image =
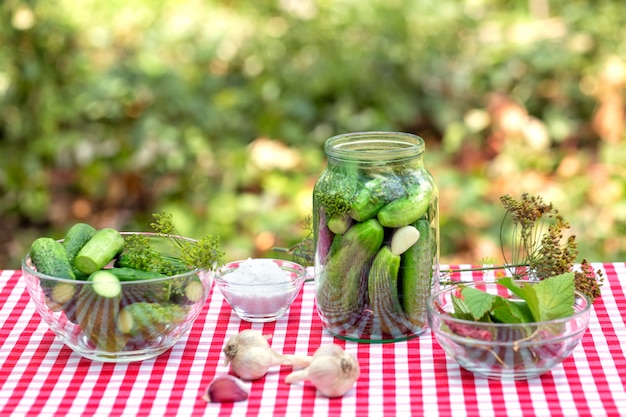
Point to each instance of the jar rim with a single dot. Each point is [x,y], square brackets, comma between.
[374,146]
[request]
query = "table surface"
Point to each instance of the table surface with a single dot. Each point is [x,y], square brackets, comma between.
[41,376]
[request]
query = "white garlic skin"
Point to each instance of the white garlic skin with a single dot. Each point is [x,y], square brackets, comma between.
[250,355]
[332,371]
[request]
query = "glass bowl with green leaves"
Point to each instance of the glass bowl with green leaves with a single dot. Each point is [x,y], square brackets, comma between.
[509,329]
[124,296]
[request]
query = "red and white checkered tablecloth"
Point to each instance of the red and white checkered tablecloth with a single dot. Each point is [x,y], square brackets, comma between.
[39,376]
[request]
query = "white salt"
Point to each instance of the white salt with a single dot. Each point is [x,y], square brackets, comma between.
[258,271]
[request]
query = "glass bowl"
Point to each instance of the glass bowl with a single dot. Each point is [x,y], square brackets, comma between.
[260,290]
[144,320]
[511,351]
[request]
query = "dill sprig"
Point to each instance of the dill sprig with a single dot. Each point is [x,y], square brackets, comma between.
[140,255]
[204,253]
[163,223]
[528,216]
[335,204]
[538,236]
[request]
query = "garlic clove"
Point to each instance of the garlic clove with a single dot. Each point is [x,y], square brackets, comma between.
[225,388]
[332,371]
[253,362]
[403,238]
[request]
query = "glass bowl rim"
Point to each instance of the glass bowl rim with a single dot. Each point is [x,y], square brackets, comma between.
[40,275]
[432,312]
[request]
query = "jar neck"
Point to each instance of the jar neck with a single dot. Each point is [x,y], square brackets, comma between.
[374,149]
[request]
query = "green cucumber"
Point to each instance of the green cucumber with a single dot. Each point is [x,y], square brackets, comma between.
[101,249]
[50,258]
[368,201]
[149,320]
[123,261]
[375,193]
[143,288]
[416,274]
[74,240]
[169,263]
[382,290]
[131,274]
[406,210]
[339,223]
[338,290]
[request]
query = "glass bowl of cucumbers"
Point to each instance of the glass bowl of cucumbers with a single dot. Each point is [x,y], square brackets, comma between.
[116,296]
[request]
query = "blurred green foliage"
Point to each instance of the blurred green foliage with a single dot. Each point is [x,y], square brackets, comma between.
[217,112]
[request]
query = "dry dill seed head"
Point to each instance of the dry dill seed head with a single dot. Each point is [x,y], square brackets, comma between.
[543,250]
[554,258]
[588,281]
[528,209]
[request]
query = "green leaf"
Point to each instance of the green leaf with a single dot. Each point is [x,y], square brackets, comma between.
[507,311]
[459,306]
[526,292]
[555,296]
[478,302]
[460,310]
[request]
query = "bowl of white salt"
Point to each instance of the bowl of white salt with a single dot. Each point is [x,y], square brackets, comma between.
[260,289]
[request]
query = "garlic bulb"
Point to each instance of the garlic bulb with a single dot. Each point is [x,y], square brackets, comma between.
[226,388]
[250,355]
[332,371]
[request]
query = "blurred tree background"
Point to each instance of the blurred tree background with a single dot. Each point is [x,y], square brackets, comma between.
[217,111]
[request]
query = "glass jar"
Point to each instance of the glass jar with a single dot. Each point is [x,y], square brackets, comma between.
[376,233]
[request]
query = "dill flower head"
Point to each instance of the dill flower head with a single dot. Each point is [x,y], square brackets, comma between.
[588,281]
[538,239]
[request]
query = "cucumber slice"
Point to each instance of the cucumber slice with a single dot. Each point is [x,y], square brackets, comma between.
[106,284]
[97,308]
[189,292]
[194,291]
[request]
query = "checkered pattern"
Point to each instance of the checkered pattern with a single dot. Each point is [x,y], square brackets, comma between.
[40,376]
